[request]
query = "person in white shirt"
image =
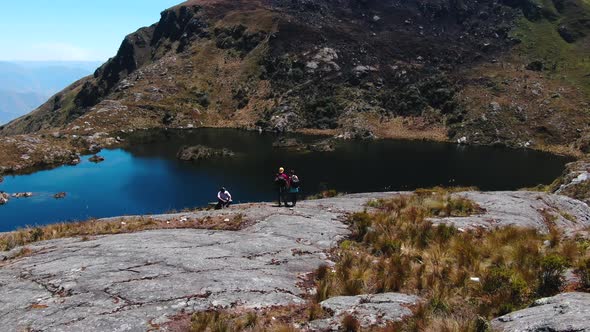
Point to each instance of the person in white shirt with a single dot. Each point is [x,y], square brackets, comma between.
[223,199]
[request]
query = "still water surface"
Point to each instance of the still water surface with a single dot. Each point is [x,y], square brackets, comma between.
[147,178]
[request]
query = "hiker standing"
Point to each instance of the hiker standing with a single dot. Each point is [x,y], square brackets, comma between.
[282,183]
[223,199]
[293,187]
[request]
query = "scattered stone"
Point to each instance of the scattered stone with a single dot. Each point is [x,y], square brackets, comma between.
[96,159]
[284,120]
[200,152]
[4,197]
[369,310]
[325,59]
[495,106]
[60,195]
[288,143]
[561,313]
[326,145]
[74,162]
[358,133]
[22,195]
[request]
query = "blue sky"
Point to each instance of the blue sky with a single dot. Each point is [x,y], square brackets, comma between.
[72,30]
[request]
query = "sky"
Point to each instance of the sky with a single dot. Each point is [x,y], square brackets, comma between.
[72,30]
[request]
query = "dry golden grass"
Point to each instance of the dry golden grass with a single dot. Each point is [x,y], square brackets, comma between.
[396,249]
[263,320]
[89,228]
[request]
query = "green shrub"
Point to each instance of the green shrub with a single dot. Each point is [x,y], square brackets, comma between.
[495,279]
[583,270]
[551,275]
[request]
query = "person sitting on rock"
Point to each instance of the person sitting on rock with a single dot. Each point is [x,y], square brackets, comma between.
[223,199]
[282,183]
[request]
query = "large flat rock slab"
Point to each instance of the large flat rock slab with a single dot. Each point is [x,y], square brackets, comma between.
[368,310]
[525,209]
[562,313]
[131,282]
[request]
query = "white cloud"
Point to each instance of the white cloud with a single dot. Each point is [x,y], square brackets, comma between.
[53,51]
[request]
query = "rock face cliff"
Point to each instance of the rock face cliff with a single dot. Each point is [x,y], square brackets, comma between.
[490,71]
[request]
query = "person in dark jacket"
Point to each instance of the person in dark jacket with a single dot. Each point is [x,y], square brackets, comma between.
[223,199]
[282,183]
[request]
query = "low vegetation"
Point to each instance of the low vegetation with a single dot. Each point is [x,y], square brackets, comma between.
[464,276]
[85,229]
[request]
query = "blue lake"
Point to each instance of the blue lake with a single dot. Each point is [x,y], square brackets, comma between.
[147,178]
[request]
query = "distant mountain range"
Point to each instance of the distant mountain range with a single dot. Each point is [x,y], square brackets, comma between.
[26,85]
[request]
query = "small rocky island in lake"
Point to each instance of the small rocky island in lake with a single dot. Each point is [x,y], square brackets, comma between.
[96,159]
[201,152]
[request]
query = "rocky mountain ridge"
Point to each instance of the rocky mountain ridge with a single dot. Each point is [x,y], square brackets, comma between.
[469,71]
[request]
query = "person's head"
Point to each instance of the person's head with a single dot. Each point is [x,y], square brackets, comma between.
[222,189]
[281,170]
[292,172]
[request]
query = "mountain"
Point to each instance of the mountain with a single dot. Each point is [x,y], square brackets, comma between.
[510,72]
[24,86]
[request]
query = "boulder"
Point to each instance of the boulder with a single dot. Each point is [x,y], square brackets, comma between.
[22,195]
[561,313]
[288,143]
[74,162]
[495,106]
[369,310]
[575,181]
[358,133]
[96,159]
[326,145]
[4,197]
[200,152]
[60,195]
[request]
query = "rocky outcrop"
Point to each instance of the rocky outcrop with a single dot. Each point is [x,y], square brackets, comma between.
[22,195]
[527,209]
[575,181]
[96,159]
[368,310]
[561,313]
[200,152]
[130,282]
[4,197]
[29,152]
[60,195]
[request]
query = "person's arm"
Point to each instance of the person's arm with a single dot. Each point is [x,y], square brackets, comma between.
[229,196]
[219,197]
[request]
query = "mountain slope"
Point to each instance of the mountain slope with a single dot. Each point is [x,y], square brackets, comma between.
[490,72]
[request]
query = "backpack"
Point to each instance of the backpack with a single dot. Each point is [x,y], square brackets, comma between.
[295,181]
